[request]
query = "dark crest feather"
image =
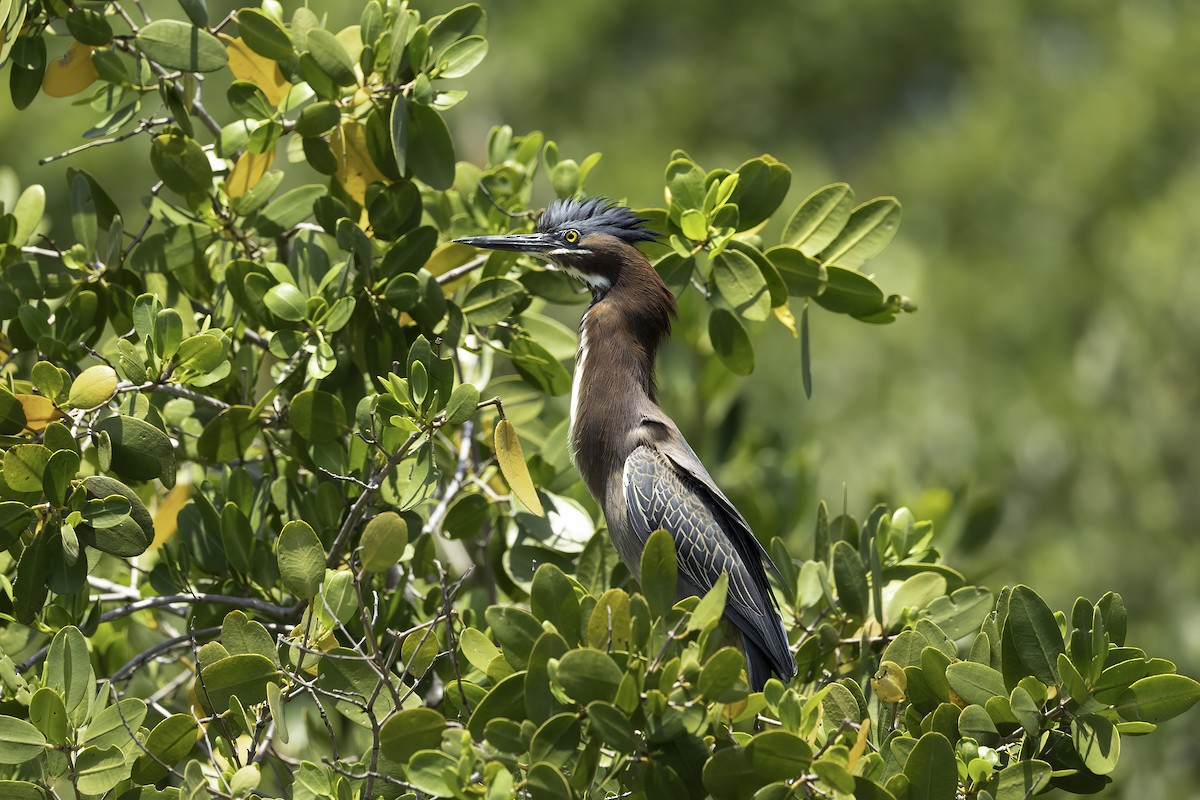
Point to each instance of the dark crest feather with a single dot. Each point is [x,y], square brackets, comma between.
[596,215]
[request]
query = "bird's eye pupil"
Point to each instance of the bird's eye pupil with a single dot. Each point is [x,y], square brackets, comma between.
[572,237]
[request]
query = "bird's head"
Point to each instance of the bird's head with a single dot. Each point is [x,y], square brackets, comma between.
[591,238]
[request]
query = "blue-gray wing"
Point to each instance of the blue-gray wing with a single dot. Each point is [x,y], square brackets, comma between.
[708,542]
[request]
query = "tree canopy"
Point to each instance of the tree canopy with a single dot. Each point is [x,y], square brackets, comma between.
[285,498]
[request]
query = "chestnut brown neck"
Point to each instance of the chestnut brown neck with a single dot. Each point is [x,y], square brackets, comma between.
[614,385]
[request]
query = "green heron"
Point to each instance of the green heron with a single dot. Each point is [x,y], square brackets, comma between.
[631,455]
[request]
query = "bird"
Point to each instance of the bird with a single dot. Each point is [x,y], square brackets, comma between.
[631,454]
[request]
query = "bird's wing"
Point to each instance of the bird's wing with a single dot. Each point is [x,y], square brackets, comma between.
[658,494]
[685,459]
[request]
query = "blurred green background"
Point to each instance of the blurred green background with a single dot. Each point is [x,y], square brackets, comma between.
[1044,404]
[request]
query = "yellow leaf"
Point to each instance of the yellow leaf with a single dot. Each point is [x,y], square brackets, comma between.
[247,65]
[72,73]
[513,466]
[447,257]
[889,682]
[250,167]
[39,411]
[356,170]
[860,744]
[166,516]
[784,315]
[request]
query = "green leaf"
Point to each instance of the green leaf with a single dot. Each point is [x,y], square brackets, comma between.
[462,404]
[28,212]
[819,219]
[167,744]
[317,119]
[317,416]
[19,741]
[429,150]
[731,342]
[556,740]
[1158,698]
[685,184]
[546,782]
[178,45]
[264,35]
[301,559]
[694,224]
[411,730]
[552,599]
[506,700]
[112,725]
[331,56]
[286,302]
[1022,780]
[1033,632]
[128,537]
[240,634]
[762,184]
[461,57]
[383,541]
[1097,742]
[659,572]
[539,368]
[398,130]
[612,726]
[610,626]
[179,160]
[492,300]
[516,629]
[434,773]
[97,770]
[12,413]
[245,676]
[711,606]
[289,209]
[140,451]
[839,706]
[742,285]
[94,387]
[199,355]
[849,292]
[871,226]
[15,518]
[49,715]
[478,649]
[60,471]
[588,675]
[228,436]
[850,577]
[930,769]
[24,466]
[975,683]
[719,678]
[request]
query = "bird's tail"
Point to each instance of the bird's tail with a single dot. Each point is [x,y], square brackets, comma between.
[761,663]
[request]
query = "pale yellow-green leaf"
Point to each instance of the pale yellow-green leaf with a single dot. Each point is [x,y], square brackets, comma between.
[247,65]
[513,466]
[383,541]
[356,170]
[250,167]
[94,386]
[166,516]
[39,411]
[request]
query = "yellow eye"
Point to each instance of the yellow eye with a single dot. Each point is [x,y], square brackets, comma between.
[571,237]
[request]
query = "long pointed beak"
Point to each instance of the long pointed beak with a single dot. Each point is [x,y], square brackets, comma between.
[519,242]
